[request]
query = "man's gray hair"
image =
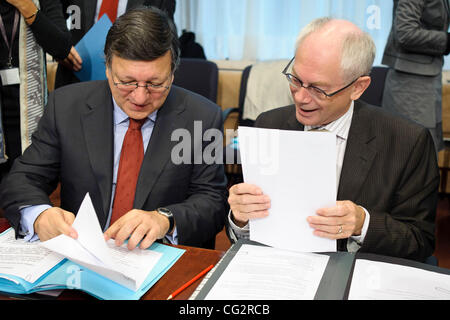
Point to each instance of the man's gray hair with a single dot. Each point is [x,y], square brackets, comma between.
[358,49]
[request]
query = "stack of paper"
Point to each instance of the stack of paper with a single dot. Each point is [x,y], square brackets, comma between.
[128,268]
[297,170]
[374,280]
[95,266]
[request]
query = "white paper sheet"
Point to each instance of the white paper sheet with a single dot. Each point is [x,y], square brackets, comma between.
[23,259]
[128,268]
[264,273]
[297,170]
[373,280]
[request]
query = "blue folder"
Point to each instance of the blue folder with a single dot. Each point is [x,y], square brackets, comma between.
[62,275]
[90,48]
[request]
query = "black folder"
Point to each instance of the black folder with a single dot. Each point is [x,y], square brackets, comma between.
[336,280]
[333,285]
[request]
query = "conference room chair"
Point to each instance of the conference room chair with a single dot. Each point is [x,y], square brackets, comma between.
[374,93]
[199,76]
[52,67]
[239,109]
[444,155]
[274,88]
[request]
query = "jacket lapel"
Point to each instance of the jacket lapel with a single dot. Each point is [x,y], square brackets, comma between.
[159,148]
[98,134]
[358,158]
[293,124]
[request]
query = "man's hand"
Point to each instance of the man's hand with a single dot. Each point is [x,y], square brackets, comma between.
[247,202]
[53,222]
[138,225]
[73,60]
[344,220]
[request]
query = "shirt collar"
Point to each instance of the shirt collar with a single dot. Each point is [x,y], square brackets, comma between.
[120,116]
[340,126]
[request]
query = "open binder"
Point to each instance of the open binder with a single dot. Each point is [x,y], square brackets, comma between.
[69,275]
[337,278]
[87,263]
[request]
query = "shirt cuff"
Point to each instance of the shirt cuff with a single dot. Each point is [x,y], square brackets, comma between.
[172,238]
[28,216]
[238,232]
[355,242]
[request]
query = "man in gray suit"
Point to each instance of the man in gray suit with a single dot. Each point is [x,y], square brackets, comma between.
[414,52]
[79,143]
[386,166]
[89,10]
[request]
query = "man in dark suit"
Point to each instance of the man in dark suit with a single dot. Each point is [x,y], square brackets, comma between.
[386,166]
[79,143]
[89,11]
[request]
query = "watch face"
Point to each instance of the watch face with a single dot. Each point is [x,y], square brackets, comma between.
[165,211]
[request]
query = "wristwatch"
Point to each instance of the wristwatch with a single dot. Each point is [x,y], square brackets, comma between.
[168,214]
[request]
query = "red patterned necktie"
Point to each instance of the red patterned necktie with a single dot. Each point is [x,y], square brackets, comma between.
[131,158]
[110,8]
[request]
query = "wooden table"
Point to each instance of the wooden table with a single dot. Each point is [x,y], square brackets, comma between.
[192,262]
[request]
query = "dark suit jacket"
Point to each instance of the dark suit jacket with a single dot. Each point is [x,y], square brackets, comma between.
[390,169]
[65,76]
[74,144]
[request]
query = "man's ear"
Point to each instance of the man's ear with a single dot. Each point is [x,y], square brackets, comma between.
[107,72]
[360,86]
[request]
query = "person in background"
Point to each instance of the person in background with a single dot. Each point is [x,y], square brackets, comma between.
[386,165]
[90,12]
[29,30]
[414,52]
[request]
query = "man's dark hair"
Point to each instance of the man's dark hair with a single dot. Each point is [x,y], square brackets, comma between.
[142,34]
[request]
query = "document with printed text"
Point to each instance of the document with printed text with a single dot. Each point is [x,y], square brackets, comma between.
[265,273]
[26,260]
[128,268]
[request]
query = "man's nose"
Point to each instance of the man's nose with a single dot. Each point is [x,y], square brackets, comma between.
[140,95]
[301,95]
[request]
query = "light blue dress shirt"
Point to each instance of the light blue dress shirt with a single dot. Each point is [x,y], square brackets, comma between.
[29,214]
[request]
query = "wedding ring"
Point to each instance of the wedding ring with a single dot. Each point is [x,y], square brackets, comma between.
[340,229]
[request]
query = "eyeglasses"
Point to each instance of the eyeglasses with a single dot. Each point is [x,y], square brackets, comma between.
[312,90]
[151,87]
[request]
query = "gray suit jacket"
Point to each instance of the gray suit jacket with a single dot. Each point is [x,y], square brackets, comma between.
[390,169]
[418,37]
[74,145]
